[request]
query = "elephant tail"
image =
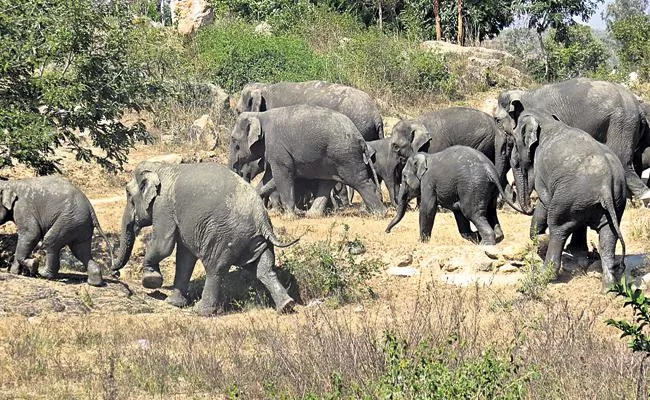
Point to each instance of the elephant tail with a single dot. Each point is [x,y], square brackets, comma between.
[492,176]
[103,235]
[607,202]
[271,237]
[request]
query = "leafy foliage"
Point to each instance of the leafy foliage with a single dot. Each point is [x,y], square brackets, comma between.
[65,69]
[636,331]
[619,10]
[577,52]
[633,34]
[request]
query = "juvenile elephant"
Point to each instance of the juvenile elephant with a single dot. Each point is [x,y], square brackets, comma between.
[353,103]
[460,179]
[208,213]
[307,142]
[456,126]
[386,166]
[580,183]
[51,210]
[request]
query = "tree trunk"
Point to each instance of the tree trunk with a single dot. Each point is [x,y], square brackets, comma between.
[544,53]
[381,16]
[436,14]
[460,22]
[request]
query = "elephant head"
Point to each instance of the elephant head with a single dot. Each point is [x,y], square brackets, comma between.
[412,174]
[526,140]
[141,194]
[251,169]
[409,137]
[509,108]
[246,141]
[251,99]
[8,197]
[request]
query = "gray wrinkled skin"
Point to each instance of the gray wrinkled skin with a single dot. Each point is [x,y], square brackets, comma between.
[387,166]
[51,210]
[306,142]
[207,213]
[460,179]
[580,183]
[456,126]
[353,103]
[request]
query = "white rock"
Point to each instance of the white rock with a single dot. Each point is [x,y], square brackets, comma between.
[405,260]
[191,14]
[402,271]
[508,269]
[264,29]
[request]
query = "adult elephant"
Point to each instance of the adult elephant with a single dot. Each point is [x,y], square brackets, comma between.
[607,111]
[306,142]
[353,103]
[456,126]
[207,212]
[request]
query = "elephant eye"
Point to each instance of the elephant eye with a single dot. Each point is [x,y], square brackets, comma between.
[237,147]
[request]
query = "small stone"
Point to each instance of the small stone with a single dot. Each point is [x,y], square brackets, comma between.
[144,344]
[487,266]
[405,260]
[508,269]
[451,265]
[264,29]
[359,308]
[402,271]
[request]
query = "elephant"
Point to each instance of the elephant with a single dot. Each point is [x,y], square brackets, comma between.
[461,179]
[387,167]
[438,130]
[353,103]
[207,213]
[580,183]
[306,142]
[50,210]
[607,111]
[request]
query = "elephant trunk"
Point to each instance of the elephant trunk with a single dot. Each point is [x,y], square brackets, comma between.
[523,190]
[127,238]
[401,207]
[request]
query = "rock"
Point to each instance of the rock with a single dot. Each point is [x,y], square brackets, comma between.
[508,269]
[402,271]
[474,52]
[264,29]
[486,266]
[359,308]
[203,130]
[220,98]
[451,265]
[171,158]
[191,14]
[405,260]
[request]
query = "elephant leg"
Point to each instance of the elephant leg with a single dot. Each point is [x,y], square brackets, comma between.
[210,297]
[285,184]
[27,241]
[578,243]
[428,210]
[185,263]
[485,232]
[159,247]
[607,246]
[52,263]
[493,220]
[265,273]
[83,252]
[464,228]
[558,235]
[538,223]
[321,201]
[636,185]
[371,198]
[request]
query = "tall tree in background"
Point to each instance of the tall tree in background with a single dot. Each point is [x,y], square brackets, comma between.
[436,15]
[623,9]
[544,14]
[460,22]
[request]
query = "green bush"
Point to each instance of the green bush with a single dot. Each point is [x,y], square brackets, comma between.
[574,52]
[633,34]
[234,56]
[328,269]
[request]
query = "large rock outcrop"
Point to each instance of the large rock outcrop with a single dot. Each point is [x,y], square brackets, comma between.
[191,14]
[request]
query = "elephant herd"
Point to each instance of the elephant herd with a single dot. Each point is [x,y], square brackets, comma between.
[579,144]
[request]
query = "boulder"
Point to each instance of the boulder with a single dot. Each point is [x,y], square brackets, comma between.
[203,130]
[264,29]
[191,14]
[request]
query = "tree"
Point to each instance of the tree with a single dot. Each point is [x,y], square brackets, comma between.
[65,69]
[460,22]
[574,52]
[633,35]
[557,14]
[623,9]
[436,15]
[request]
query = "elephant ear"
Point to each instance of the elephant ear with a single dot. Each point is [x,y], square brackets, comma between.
[421,165]
[254,132]
[515,106]
[530,130]
[256,101]
[149,186]
[419,138]
[9,197]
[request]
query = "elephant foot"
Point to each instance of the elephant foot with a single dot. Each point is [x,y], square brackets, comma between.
[177,299]
[498,234]
[311,213]
[204,310]
[287,307]
[152,280]
[607,283]
[15,268]
[471,237]
[47,273]
[95,276]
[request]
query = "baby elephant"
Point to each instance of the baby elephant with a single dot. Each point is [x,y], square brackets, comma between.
[458,178]
[50,209]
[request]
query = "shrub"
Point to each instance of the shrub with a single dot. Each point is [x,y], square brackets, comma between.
[235,55]
[534,282]
[328,269]
[633,34]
